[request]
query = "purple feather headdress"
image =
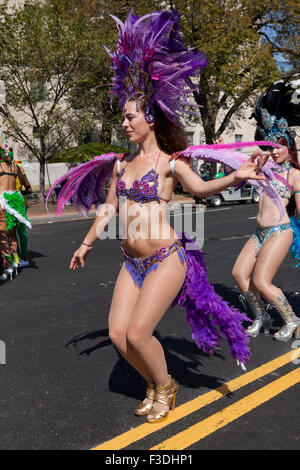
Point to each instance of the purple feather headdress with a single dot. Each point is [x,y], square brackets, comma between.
[151,60]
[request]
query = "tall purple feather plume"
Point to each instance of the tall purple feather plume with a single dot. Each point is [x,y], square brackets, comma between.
[84,184]
[151,59]
[209,315]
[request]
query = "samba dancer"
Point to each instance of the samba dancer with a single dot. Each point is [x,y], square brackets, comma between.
[153,71]
[276,110]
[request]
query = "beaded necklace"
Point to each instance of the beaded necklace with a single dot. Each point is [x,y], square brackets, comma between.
[286,166]
[282,189]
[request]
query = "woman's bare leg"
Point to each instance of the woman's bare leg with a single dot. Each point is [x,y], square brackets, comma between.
[158,291]
[124,299]
[4,244]
[242,271]
[244,265]
[12,238]
[271,256]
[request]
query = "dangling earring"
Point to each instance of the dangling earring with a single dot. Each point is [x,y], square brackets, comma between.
[149,115]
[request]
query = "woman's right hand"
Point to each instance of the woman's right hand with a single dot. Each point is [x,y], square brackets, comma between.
[79,257]
[251,168]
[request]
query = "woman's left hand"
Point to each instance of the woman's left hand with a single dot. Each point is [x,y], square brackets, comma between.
[250,169]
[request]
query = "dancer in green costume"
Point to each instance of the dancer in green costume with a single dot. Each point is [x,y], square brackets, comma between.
[12,209]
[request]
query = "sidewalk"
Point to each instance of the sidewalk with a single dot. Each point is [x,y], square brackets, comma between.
[37,213]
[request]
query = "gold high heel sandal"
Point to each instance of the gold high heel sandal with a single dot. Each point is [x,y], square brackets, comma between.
[144,408]
[165,395]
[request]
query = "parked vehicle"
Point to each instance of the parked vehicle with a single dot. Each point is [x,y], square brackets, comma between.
[242,195]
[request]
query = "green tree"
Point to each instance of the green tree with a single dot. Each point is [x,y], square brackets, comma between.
[240,40]
[46,53]
[97,82]
[280,29]
[240,62]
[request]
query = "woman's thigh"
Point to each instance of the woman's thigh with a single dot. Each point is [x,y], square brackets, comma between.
[123,302]
[158,291]
[246,260]
[4,245]
[271,256]
[12,238]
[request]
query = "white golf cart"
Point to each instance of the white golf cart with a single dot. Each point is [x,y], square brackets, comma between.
[241,195]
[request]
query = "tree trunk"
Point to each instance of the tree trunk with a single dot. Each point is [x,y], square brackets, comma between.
[208,118]
[42,180]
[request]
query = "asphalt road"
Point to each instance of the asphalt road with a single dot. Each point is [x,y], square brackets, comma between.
[65,387]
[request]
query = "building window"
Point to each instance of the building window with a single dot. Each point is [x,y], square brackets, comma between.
[2,92]
[238,138]
[36,139]
[190,137]
[38,90]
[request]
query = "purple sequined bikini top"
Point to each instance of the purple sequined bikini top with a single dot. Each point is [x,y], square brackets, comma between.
[143,190]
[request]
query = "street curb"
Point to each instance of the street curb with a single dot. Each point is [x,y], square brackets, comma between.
[44,219]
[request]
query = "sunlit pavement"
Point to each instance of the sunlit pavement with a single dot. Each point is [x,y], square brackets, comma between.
[64,386]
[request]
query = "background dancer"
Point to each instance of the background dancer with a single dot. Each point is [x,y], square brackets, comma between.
[12,209]
[265,251]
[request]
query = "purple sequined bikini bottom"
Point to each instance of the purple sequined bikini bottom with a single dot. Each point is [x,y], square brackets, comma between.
[139,268]
[210,317]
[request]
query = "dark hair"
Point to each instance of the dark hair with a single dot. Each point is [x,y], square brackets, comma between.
[259,136]
[170,137]
[292,151]
[291,207]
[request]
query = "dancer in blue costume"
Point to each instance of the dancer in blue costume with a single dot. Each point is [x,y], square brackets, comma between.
[276,110]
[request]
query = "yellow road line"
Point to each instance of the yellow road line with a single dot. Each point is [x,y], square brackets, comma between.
[217,421]
[135,434]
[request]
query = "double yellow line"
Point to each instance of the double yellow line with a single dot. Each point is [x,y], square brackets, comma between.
[200,430]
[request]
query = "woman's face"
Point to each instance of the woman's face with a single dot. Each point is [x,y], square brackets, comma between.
[134,123]
[280,155]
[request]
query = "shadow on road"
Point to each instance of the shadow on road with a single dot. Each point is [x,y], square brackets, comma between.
[231,295]
[182,356]
[31,256]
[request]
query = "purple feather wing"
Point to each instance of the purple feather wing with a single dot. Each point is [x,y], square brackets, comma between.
[84,184]
[225,154]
